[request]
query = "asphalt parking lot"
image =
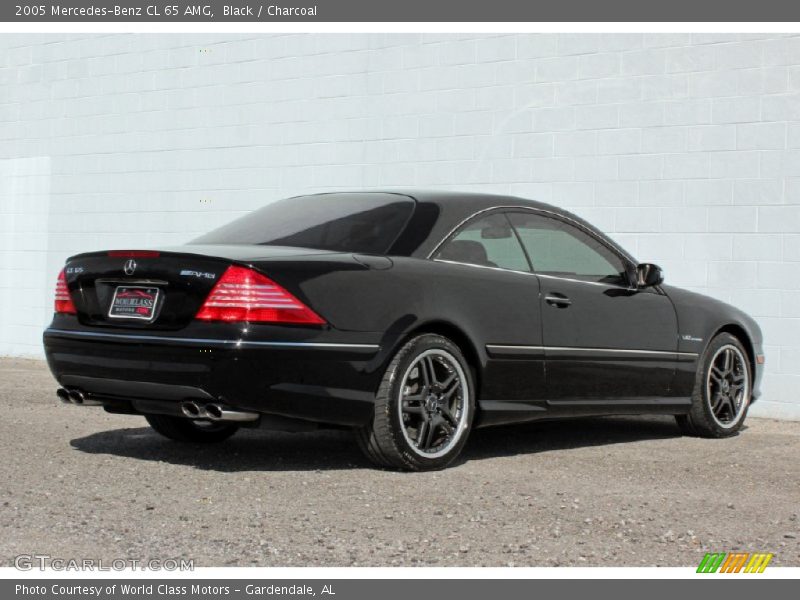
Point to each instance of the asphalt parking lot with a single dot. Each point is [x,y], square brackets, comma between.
[80,483]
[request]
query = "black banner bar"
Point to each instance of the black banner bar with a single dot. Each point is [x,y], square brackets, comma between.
[731,588]
[177,11]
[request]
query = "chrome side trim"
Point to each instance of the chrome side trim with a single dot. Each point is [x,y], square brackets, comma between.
[600,283]
[210,342]
[491,347]
[455,262]
[556,277]
[512,347]
[620,350]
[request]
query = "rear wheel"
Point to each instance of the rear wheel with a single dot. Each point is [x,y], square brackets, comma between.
[722,390]
[423,409]
[190,430]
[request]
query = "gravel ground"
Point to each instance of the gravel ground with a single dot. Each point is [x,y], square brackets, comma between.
[77,482]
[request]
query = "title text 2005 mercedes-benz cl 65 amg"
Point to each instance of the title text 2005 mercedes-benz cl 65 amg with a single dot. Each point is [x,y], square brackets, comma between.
[408,317]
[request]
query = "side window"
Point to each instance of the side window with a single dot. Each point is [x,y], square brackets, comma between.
[486,241]
[557,248]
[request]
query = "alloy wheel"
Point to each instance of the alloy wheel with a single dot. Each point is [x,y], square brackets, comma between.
[728,386]
[434,400]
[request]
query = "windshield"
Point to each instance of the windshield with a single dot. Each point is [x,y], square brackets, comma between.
[365,223]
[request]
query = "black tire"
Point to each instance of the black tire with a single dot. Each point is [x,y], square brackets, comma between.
[386,440]
[701,420]
[188,431]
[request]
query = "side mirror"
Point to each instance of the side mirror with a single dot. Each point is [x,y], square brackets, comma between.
[648,275]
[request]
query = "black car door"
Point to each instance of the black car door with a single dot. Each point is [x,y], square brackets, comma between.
[514,370]
[603,338]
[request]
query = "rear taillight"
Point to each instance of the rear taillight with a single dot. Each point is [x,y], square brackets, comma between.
[63,302]
[242,294]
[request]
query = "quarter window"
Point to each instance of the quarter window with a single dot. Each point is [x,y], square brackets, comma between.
[558,248]
[488,242]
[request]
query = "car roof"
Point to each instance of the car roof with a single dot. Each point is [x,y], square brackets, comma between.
[456,197]
[451,208]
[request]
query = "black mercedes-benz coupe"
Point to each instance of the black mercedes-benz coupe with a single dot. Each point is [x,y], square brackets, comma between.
[408,317]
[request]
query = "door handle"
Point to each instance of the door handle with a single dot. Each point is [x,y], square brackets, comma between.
[557,300]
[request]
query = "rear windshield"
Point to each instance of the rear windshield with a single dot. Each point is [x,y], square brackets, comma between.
[363,223]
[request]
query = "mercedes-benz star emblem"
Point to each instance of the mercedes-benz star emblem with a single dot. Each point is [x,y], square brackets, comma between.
[130,267]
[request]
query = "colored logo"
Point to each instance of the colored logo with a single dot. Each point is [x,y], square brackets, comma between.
[735,562]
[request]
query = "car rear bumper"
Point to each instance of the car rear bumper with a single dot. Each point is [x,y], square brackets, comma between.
[317,380]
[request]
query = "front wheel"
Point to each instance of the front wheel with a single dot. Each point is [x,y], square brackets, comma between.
[423,409]
[723,388]
[189,430]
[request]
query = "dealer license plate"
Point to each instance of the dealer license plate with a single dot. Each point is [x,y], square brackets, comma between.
[133,302]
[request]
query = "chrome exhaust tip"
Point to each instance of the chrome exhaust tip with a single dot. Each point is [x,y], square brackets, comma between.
[192,410]
[214,412]
[218,412]
[63,395]
[79,398]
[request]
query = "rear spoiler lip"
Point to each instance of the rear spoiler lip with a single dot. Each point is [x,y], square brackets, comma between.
[243,258]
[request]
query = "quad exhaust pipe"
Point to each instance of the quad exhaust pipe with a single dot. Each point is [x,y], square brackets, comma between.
[215,412]
[191,409]
[76,397]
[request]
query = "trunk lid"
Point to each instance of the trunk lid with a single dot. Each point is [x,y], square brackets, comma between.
[157,289]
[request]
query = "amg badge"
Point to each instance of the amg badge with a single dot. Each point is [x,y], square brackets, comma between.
[200,274]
